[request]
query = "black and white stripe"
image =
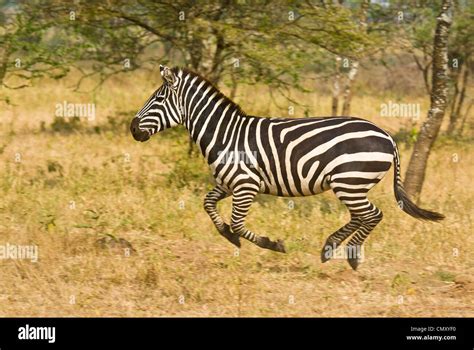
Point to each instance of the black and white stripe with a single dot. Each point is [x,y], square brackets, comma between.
[278,156]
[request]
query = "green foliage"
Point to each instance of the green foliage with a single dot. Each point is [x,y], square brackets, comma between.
[189,172]
[400,282]
[30,47]
[445,276]
[48,222]
[325,206]
[406,136]
[66,125]
[118,123]
[282,39]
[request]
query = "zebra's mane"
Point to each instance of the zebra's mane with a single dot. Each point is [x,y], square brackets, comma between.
[233,107]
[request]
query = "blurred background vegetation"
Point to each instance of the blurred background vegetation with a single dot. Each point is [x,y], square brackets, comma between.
[332,48]
[67,182]
[340,48]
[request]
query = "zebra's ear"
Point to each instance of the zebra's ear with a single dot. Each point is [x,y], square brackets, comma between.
[167,74]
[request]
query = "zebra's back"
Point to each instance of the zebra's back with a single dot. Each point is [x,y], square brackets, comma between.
[301,157]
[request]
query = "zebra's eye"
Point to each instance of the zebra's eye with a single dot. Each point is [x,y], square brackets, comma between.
[160,98]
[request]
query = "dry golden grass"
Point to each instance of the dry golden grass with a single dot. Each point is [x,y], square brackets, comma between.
[182,266]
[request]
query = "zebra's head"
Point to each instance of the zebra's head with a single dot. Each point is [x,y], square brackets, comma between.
[161,111]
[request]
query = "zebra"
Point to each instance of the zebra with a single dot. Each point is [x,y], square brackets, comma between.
[286,157]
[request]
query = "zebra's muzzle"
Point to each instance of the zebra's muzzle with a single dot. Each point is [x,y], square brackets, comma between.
[137,133]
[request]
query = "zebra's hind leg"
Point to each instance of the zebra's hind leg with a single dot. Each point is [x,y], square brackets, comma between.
[210,205]
[335,239]
[369,218]
[352,191]
[355,202]
[242,199]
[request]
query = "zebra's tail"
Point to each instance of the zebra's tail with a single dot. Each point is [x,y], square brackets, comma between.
[403,200]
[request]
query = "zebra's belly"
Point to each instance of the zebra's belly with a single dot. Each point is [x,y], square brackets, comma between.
[307,187]
[306,179]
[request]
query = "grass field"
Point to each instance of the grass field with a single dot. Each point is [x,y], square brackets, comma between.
[66,187]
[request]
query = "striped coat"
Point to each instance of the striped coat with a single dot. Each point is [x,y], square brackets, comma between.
[286,157]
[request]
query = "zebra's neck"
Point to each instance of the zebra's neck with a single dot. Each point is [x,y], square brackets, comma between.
[206,111]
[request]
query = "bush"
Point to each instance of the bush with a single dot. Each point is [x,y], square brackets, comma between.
[66,125]
[189,172]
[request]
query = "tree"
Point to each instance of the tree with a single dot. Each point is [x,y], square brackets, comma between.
[460,54]
[417,167]
[205,37]
[228,42]
[420,45]
[28,48]
[354,65]
[365,46]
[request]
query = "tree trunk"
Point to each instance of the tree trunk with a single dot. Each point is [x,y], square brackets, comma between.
[425,70]
[458,102]
[346,105]
[4,59]
[461,128]
[454,98]
[416,169]
[336,87]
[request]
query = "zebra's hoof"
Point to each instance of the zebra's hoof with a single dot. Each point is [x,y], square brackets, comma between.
[278,246]
[230,236]
[354,262]
[265,242]
[234,239]
[328,251]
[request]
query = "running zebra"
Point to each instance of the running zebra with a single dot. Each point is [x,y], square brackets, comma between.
[279,156]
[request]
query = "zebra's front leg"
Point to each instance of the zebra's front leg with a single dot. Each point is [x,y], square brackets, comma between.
[210,205]
[241,201]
